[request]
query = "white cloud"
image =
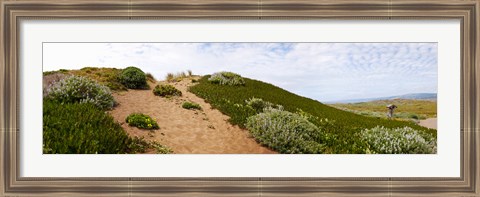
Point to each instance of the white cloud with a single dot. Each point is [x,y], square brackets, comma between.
[322,71]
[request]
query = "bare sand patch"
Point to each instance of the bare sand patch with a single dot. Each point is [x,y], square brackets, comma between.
[205,131]
[429,123]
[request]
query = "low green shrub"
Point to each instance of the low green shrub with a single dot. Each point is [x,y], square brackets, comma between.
[140,145]
[227,78]
[133,78]
[81,128]
[191,105]
[285,132]
[141,121]
[161,149]
[307,115]
[259,105]
[409,115]
[166,90]
[399,141]
[413,116]
[79,89]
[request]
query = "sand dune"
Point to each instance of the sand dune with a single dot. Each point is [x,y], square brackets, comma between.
[184,131]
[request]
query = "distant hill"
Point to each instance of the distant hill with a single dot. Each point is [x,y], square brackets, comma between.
[417,96]
[407,108]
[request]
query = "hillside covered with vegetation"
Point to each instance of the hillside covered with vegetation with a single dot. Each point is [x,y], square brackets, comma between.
[290,123]
[75,118]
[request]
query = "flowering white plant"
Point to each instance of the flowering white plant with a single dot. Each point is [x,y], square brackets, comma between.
[285,132]
[226,78]
[399,141]
[74,89]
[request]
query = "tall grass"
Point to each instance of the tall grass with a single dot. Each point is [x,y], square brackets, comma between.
[150,77]
[176,77]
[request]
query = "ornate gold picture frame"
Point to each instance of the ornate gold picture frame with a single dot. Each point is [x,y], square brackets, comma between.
[13,12]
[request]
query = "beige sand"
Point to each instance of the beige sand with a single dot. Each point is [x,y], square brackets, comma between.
[184,131]
[429,123]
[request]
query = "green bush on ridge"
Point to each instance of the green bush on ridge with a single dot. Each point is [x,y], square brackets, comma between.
[133,78]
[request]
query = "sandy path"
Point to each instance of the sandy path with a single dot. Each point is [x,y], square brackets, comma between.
[184,131]
[429,123]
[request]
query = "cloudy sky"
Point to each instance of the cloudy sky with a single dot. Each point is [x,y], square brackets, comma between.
[321,71]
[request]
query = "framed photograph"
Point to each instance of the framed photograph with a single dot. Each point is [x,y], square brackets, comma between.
[247,98]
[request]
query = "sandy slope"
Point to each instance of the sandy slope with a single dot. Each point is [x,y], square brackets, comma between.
[184,131]
[429,123]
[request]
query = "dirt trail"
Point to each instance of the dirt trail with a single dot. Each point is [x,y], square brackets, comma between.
[205,131]
[429,123]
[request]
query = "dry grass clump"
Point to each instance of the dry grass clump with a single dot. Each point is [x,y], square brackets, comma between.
[171,77]
[110,77]
[150,77]
[105,76]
